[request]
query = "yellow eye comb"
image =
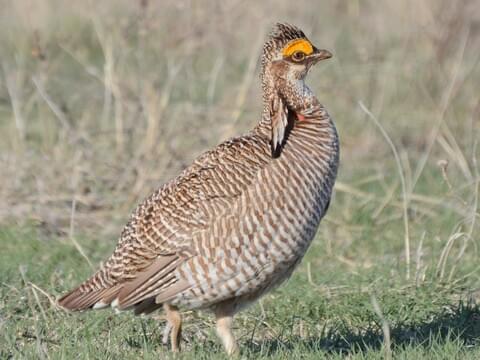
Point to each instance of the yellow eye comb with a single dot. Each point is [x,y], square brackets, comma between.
[297,45]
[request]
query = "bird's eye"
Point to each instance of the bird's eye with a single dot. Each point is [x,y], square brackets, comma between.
[298,56]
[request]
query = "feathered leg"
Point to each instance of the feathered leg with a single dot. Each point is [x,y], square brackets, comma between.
[174,326]
[224,317]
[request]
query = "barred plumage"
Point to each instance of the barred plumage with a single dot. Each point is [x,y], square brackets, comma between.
[236,222]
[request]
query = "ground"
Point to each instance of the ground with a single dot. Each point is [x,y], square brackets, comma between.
[99,105]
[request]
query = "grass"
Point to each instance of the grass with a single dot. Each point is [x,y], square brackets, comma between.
[101,104]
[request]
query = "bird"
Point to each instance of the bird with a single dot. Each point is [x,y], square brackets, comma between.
[234,224]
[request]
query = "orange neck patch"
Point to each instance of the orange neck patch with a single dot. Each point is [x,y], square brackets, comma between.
[297,45]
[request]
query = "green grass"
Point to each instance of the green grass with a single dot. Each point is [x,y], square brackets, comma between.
[328,316]
[100,104]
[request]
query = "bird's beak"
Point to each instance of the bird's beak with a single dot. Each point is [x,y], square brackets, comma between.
[319,55]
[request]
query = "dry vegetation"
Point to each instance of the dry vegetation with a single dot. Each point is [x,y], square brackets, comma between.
[101,102]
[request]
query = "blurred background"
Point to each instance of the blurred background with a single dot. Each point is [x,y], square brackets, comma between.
[102,102]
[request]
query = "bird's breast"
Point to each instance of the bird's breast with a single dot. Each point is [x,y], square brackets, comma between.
[257,243]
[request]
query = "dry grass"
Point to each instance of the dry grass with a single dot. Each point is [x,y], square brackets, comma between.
[102,103]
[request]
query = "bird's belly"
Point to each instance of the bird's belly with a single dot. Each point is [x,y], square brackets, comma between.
[259,265]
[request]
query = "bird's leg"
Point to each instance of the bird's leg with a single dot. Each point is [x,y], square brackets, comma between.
[224,331]
[166,333]
[174,326]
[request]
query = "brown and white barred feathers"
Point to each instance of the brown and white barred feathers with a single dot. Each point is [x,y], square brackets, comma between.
[236,222]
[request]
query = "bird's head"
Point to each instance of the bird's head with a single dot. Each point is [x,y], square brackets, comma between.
[288,55]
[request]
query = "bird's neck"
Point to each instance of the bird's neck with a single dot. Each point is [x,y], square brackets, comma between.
[296,94]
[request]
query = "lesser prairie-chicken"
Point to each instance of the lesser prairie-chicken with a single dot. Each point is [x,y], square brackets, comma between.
[235,223]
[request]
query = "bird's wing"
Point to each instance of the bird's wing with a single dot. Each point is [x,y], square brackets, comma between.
[158,236]
[237,238]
